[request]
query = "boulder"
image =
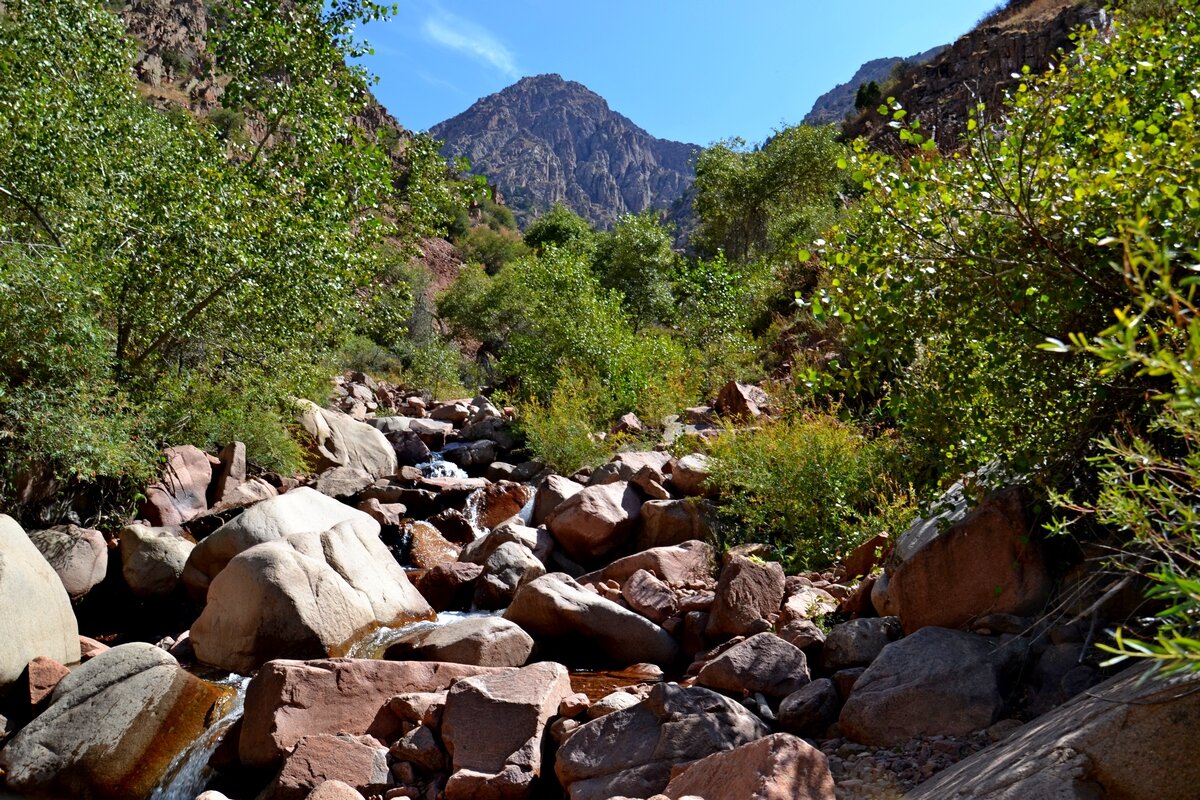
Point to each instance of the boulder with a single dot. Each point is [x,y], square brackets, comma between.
[112,728]
[552,492]
[632,752]
[612,702]
[451,412]
[502,500]
[493,728]
[650,597]
[449,587]
[1125,738]
[537,540]
[78,555]
[181,494]
[763,663]
[508,567]
[741,401]
[748,591]
[473,456]
[936,682]
[687,564]
[690,473]
[306,596]
[359,762]
[988,562]
[338,440]
[856,643]
[42,676]
[807,602]
[866,557]
[301,510]
[668,522]
[809,711]
[231,474]
[480,641]
[624,466]
[287,700]
[429,547]
[152,559]
[343,482]
[27,581]
[331,790]
[409,448]
[776,767]
[596,521]
[803,633]
[554,606]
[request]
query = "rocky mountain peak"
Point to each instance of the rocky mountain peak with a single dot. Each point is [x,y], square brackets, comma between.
[547,140]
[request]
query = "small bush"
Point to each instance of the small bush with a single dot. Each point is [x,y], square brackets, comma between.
[812,487]
[560,431]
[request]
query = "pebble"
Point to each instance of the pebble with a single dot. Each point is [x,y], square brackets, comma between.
[870,773]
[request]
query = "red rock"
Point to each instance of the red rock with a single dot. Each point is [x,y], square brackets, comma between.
[671,522]
[181,494]
[687,564]
[596,521]
[501,501]
[741,401]
[776,767]
[552,492]
[449,587]
[649,596]
[358,761]
[384,513]
[90,648]
[763,663]
[232,472]
[430,548]
[290,699]
[748,592]
[44,674]
[866,557]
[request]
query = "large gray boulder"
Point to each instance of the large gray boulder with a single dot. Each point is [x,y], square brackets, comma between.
[338,440]
[631,752]
[554,606]
[1127,738]
[508,567]
[857,642]
[763,663]
[935,682]
[78,555]
[152,559]
[301,510]
[308,595]
[27,581]
[112,728]
[493,728]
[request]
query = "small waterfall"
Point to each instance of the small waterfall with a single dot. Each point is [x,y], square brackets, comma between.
[473,511]
[526,512]
[189,773]
[374,645]
[438,467]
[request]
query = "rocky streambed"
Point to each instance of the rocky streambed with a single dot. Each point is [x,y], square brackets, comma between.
[493,630]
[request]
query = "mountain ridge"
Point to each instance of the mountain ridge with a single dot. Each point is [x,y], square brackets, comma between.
[546,140]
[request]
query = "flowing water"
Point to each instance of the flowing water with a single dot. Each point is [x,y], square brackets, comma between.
[379,640]
[438,467]
[188,774]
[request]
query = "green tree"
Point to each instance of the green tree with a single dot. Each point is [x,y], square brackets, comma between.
[636,259]
[867,96]
[561,227]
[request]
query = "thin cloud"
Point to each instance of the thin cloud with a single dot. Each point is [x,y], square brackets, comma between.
[468,38]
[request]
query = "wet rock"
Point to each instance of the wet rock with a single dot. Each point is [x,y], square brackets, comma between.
[28,581]
[449,587]
[429,547]
[748,591]
[935,681]
[486,641]
[776,767]
[596,521]
[153,559]
[763,663]
[554,606]
[471,456]
[632,752]
[493,728]
[501,501]
[112,728]
[287,700]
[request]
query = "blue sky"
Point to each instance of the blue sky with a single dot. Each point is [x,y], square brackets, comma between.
[694,71]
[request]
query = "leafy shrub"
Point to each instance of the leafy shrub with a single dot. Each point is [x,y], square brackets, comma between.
[813,487]
[493,248]
[560,431]
[560,227]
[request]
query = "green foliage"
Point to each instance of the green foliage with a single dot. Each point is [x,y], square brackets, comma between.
[953,268]
[196,278]
[560,432]
[560,227]
[772,200]
[867,96]
[1150,483]
[430,197]
[636,259]
[813,487]
[493,248]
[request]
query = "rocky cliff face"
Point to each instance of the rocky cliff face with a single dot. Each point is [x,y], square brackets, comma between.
[545,140]
[836,104]
[980,65]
